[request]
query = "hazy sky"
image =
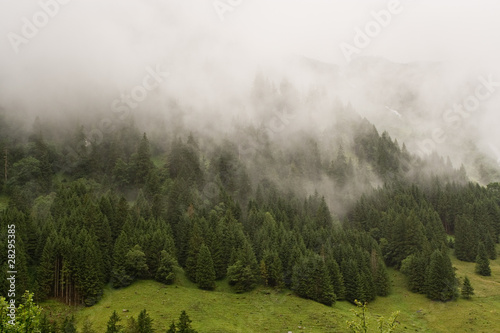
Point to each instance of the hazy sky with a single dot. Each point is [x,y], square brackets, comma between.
[462,30]
[90,50]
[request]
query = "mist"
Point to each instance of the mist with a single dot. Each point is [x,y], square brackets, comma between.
[91,60]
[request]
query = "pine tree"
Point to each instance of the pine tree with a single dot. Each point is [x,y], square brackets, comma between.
[466,239]
[184,325]
[195,242]
[120,276]
[172,328]
[441,282]
[337,279]
[482,261]
[352,281]
[112,326]
[144,322]
[467,290]
[241,278]
[46,269]
[414,267]
[311,280]
[205,272]
[132,326]
[142,161]
[135,262]
[489,245]
[273,269]
[242,274]
[166,273]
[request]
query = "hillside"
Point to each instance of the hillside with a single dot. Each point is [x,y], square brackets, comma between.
[265,310]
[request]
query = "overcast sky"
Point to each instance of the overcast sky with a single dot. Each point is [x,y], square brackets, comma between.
[463,30]
[98,45]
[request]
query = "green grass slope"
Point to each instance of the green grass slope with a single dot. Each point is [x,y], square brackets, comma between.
[264,310]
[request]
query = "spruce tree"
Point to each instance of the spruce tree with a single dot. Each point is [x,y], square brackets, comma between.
[205,272]
[414,267]
[144,322]
[311,280]
[135,262]
[489,245]
[441,282]
[172,328]
[195,242]
[142,161]
[482,261]
[112,326]
[184,324]
[466,239]
[242,274]
[165,273]
[467,290]
[337,279]
[120,276]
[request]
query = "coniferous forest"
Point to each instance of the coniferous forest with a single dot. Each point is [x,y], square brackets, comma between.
[249,166]
[132,207]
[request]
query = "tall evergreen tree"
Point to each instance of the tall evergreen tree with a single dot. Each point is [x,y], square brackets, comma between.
[466,239]
[166,269]
[184,324]
[482,261]
[205,272]
[441,281]
[144,322]
[142,161]
[311,280]
[467,290]
[112,326]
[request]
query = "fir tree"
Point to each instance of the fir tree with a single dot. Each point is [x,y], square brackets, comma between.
[241,278]
[135,262]
[205,272]
[489,245]
[184,325]
[165,273]
[172,328]
[112,326]
[144,322]
[337,279]
[142,161]
[466,239]
[482,261]
[311,280]
[441,282]
[467,290]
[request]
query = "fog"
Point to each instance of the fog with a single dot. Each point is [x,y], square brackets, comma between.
[428,56]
